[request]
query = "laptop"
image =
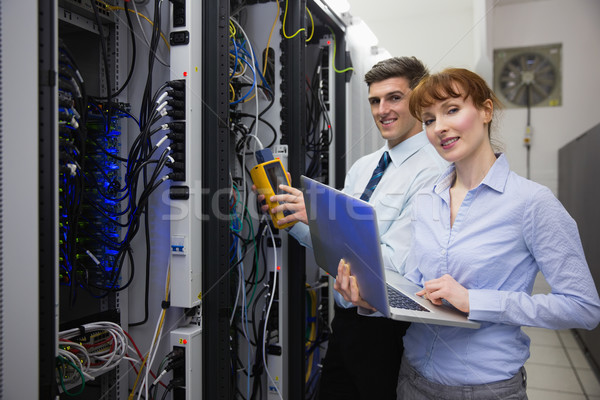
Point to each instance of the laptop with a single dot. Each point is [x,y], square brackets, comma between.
[343,226]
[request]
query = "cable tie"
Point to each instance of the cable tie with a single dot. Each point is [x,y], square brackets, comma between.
[161,106]
[75,113]
[161,141]
[76,88]
[159,378]
[165,304]
[72,170]
[162,97]
[94,259]
[79,75]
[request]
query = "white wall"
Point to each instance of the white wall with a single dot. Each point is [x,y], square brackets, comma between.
[438,32]
[362,135]
[575,24]
[464,34]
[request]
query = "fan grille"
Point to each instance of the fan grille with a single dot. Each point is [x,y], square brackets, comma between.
[528,76]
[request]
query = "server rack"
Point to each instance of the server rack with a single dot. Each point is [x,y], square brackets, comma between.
[293,114]
[48,207]
[215,308]
[215,315]
[578,165]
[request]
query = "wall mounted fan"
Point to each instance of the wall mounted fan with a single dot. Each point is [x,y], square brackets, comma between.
[528,75]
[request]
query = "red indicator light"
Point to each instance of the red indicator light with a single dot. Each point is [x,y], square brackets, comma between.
[328,126]
[328,42]
[185,74]
[184,341]
[278,268]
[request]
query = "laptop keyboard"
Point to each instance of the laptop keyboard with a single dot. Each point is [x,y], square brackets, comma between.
[399,300]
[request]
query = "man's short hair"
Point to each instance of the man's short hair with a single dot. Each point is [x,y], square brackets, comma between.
[398,67]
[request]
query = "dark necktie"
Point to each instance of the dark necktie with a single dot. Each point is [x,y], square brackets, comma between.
[384,161]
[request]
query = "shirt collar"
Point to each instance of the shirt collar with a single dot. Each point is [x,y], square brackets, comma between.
[403,150]
[495,178]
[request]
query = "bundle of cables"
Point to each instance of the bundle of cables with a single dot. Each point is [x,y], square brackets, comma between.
[319,132]
[97,202]
[89,351]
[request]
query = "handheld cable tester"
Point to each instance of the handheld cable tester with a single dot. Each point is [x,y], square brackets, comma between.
[267,176]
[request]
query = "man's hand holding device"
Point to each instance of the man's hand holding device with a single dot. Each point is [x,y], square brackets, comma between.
[271,183]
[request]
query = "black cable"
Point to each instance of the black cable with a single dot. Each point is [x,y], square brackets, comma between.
[103,150]
[258,365]
[255,302]
[118,107]
[264,121]
[256,260]
[271,102]
[74,186]
[146,104]
[169,388]
[125,247]
[133,56]
[147,278]
[104,51]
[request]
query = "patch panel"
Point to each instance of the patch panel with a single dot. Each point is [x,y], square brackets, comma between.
[84,8]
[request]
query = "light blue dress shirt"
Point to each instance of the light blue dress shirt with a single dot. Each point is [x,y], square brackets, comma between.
[506,230]
[415,164]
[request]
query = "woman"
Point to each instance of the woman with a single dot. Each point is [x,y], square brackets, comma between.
[481,235]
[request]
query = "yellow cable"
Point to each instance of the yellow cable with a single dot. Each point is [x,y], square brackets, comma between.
[242,72]
[112,8]
[168,285]
[232,92]
[313,332]
[159,330]
[130,397]
[232,30]
[269,41]
[333,61]
[283,26]
[249,98]
[312,23]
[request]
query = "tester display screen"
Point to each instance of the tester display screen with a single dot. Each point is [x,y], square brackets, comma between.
[276,177]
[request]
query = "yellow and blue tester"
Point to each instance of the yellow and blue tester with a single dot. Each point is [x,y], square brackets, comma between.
[267,176]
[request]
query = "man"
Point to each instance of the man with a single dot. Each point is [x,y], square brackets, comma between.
[364,352]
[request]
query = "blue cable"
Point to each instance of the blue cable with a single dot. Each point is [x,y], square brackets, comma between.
[236,58]
[247,54]
[253,84]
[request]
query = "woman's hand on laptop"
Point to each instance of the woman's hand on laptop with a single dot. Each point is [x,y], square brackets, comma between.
[446,288]
[345,284]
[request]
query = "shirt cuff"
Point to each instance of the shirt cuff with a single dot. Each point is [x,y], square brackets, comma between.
[301,233]
[366,312]
[486,305]
[341,301]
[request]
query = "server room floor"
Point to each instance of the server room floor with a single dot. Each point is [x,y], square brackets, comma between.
[557,368]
